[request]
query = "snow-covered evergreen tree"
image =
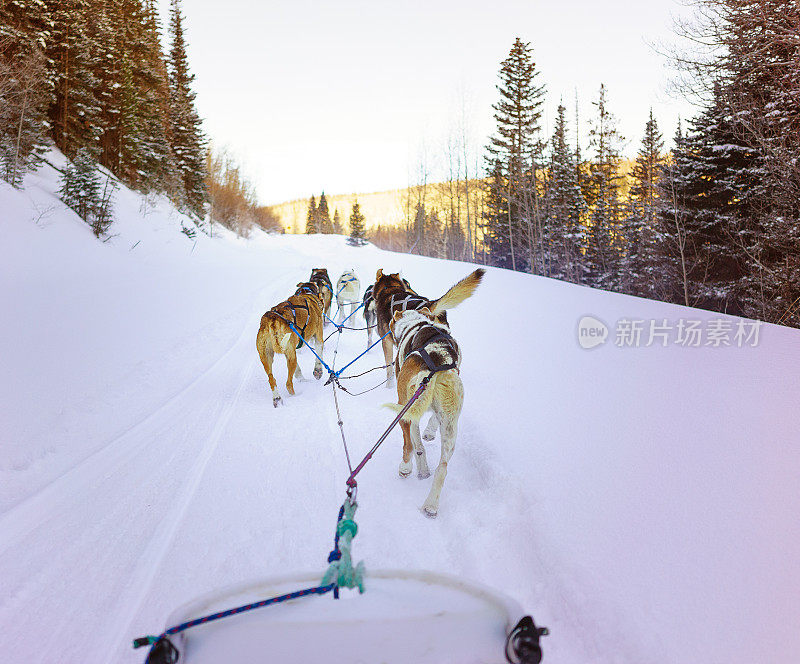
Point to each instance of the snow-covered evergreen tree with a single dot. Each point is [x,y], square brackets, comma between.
[187,140]
[713,189]
[638,275]
[565,207]
[311,217]
[509,206]
[80,186]
[324,224]
[358,229]
[604,245]
[337,223]
[738,178]
[72,49]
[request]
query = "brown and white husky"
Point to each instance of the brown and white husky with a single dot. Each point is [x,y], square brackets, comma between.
[424,344]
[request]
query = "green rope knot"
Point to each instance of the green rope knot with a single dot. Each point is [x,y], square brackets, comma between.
[341,572]
[347,525]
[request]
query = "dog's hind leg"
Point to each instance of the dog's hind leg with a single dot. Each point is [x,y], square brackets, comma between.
[447,403]
[430,430]
[449,429]
[266,354]
[423,471]
[388,353]
[318,341]
[291,368]
[405,464]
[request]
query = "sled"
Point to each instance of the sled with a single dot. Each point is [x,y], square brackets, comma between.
[403,617]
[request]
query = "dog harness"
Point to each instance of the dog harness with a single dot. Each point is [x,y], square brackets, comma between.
[322,280]
[305,288]
[438,335]
[409,301]
[294,307]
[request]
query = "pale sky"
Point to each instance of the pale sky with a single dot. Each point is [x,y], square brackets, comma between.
[345,96]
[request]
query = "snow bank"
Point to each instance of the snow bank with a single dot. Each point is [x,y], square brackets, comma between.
[640,501]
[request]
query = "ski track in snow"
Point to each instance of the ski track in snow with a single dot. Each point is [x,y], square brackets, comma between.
[148,565]
[23,517]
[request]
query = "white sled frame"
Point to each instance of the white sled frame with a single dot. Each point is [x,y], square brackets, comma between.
[506,609]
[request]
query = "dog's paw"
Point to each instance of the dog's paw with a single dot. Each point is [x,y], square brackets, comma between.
[276,401]
[405,470]
[423,474]
[318,372]
[430,511]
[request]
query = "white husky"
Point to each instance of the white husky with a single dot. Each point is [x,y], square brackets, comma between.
[347,292]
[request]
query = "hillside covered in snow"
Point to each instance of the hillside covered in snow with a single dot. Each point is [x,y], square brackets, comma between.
[640,498]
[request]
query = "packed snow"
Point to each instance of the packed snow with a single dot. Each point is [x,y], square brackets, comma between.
[641,502]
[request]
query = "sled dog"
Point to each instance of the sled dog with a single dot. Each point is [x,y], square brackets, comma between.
[425,345]
[370,317]
[319,276]
[391,294]
[275,335]
[369,313]
[348,288]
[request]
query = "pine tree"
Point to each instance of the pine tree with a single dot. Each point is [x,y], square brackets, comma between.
[143,158]
[324,224]
[605,248]
[187,140]
[638,276]
[311,217]
[738,177]
[80,188]
[358,230]
[156,162]
[338,229]
[74,111]
[713,189]
[565,207]
[510,155]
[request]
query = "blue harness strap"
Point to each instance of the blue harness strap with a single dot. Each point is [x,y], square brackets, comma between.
[310,347]
[335,374]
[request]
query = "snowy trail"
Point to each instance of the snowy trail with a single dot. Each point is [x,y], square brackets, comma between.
[640,502]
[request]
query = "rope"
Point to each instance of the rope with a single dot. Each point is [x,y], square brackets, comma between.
[364,373]
[358,394]
[336,402]
[340,574]
[152,640]
[351,481]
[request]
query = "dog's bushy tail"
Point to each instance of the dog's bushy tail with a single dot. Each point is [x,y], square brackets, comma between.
[458,293]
